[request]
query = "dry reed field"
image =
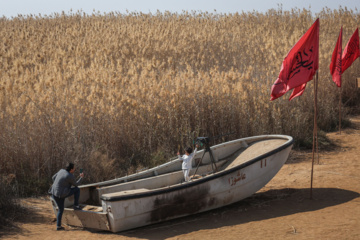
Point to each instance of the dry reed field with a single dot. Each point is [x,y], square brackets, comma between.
[119,92]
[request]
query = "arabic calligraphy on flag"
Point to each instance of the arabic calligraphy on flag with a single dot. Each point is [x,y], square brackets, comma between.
[299,66]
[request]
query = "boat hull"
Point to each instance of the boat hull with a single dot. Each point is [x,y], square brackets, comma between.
[220,191]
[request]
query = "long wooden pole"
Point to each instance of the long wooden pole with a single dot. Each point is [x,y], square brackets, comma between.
[340,111]
[316,115]
[314,132]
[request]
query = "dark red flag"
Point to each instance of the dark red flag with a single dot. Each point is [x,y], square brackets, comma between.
[299,66]
[351,51]
[335,65]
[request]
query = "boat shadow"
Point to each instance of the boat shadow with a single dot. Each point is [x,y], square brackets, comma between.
[261,206]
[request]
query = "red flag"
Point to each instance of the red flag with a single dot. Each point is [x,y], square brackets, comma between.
[335,65]
[299,66]
[351,51]
[298,91]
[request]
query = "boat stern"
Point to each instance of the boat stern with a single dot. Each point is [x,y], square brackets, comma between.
[89,217]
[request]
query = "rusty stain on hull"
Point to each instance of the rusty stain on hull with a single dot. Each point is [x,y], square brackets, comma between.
[183,202]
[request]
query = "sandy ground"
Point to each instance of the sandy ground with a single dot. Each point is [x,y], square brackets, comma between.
[281,210]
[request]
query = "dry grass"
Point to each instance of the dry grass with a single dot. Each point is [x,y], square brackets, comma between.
[109,91]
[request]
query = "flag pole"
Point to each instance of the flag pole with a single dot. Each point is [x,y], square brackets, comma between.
[316,115]
[314,132]
[340,111]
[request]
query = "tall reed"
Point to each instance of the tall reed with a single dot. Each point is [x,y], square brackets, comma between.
[119,92]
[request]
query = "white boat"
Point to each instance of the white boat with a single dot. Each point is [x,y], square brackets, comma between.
[227,173]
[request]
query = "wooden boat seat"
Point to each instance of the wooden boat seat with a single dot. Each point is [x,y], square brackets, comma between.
[91,208]
[126,192]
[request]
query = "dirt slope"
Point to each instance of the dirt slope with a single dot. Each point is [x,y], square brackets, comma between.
[281,210]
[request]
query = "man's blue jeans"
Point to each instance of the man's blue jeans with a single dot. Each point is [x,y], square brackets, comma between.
[60,203]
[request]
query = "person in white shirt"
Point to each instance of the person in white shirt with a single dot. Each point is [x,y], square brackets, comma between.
[187,162]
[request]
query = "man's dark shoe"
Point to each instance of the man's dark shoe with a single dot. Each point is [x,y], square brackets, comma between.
[77,208]
[60,228]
